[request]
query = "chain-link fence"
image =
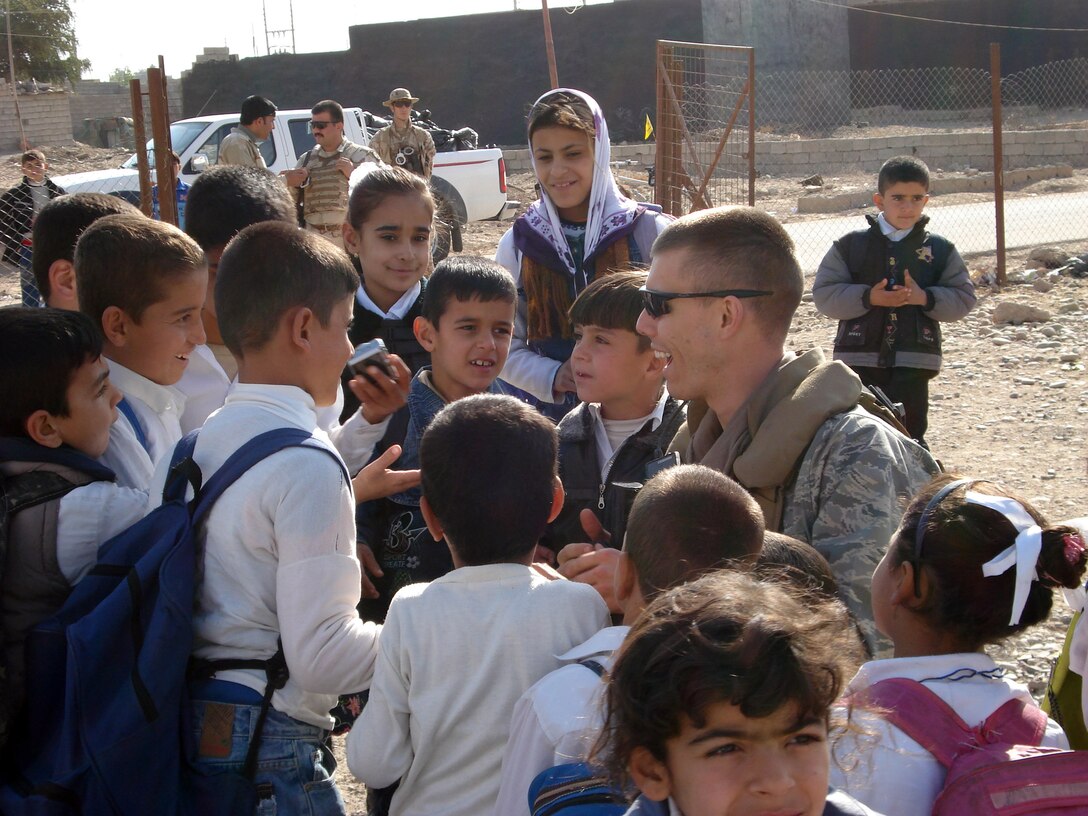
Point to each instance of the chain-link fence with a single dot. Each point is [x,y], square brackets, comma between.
[705,126]
[833,130]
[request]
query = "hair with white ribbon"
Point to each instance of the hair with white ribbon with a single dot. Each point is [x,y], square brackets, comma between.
[1023,554]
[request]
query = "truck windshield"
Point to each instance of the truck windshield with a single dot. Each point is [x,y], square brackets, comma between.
[182,135]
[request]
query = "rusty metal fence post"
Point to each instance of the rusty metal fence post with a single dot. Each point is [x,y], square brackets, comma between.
[705,147]
[160,132]
[140,135]
[999,163]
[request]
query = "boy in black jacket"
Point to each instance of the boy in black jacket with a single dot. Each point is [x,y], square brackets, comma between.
[617,437]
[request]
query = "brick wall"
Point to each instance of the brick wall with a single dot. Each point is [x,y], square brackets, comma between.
[46,119]
[94,99]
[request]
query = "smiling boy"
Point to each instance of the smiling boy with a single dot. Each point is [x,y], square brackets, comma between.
[889,285]
[143,282]
[466,325]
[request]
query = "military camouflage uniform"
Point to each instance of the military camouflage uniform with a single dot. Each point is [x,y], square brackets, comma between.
[389,143]
[822,469]
[240,147]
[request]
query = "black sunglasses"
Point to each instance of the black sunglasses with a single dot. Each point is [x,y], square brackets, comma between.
[319,125]
[656,304]
[404,103]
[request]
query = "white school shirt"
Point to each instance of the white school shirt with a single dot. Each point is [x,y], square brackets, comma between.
[90,515]
[890,772]
[397,311]
[158,409]
[557,720]
[279,558]
[205,385]
[610,434]
[454,657]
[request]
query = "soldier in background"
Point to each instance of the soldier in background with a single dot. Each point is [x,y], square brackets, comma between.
[403,143]
[320,179]
[256,121]
[721,292]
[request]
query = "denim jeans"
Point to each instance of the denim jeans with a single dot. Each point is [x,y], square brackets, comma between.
[295,765]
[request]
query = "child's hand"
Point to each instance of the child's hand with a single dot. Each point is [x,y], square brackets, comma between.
[896,296]
[370,566]
[917,296]
[380,395]
[543,555]
[564,381]
[572,551]
[376,481]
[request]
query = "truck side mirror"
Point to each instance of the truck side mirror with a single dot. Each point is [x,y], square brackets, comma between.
[198,163]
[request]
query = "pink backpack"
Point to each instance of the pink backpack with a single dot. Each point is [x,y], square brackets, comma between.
[996,769]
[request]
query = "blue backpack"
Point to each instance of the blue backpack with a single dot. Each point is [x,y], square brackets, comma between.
[106,677]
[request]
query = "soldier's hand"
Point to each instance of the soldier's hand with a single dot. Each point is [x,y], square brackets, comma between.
[296,177]
[344,165]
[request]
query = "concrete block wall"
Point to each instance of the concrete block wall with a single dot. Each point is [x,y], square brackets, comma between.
[46,119]
[93,99]
[517,160]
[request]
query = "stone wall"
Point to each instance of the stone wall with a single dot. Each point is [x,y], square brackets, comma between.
[46,120]
[94,99]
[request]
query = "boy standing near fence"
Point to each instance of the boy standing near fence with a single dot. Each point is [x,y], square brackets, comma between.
[888,286]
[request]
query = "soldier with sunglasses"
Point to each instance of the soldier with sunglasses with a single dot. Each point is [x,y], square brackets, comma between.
[403,143]
[320,179]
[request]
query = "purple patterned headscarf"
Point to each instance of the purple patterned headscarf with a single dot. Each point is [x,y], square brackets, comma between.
[609,210]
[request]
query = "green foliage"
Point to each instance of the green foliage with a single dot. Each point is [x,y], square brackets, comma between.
[122,75]
[43,41]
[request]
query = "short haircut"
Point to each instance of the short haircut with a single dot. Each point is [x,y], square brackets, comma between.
[561,109]
[32,155]
[724,637]
[902,169]
[59,224]
[789,559]
[959,537]
[612,302]
[270,268]
[129,261]
[464,277]
[688,520]
[43,348]
[489,469]
[225,199]
[374,187]
[333,108]
[254,107]
[740,248]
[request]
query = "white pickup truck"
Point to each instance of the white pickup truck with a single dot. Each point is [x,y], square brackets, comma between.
[471,184]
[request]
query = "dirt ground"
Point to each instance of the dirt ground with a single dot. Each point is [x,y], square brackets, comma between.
[1009,405]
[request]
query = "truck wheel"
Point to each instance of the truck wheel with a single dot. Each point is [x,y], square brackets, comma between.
[447,230]
[457,244]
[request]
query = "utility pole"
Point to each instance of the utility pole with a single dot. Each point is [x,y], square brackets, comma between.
[11,78]
[553,72]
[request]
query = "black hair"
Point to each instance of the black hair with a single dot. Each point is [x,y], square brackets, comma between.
[786,558]
[371,190]
[899,169]
[464,277]
[334,109]
[724,637]
[561,109]
[740,248]
[612,302]
[489,468]
[688,520]
[227,198]
[958,538]
[270,268]
[43,348]
[59,224]
[128,261]
[255,107]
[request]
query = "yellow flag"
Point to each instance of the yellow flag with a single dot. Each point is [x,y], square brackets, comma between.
[649,131]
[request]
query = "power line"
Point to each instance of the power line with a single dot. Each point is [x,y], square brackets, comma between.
[947,22]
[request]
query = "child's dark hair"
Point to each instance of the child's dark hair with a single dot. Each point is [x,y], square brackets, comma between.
[786,558]
[228,198]
[270,268]
[464,277]
[899,169]
[371,190]
[612,302]
[59,224]
[561,109]
[724,637]
[958,538]
[128,261]
[32,155]
[489,469]
[43,348]
[688,520]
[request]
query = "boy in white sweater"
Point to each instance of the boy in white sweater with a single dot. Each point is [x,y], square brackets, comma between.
[280,561]
[456,654]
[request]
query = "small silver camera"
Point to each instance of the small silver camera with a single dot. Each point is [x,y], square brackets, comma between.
[371,354]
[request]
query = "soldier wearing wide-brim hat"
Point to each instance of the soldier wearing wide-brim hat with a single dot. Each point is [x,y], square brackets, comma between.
[402,143]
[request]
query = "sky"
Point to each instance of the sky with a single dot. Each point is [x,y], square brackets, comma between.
[132,33]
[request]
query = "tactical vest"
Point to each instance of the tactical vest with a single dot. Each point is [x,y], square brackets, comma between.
[871,257]
[327,191]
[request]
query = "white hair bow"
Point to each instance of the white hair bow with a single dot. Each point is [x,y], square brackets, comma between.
[1023,554]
